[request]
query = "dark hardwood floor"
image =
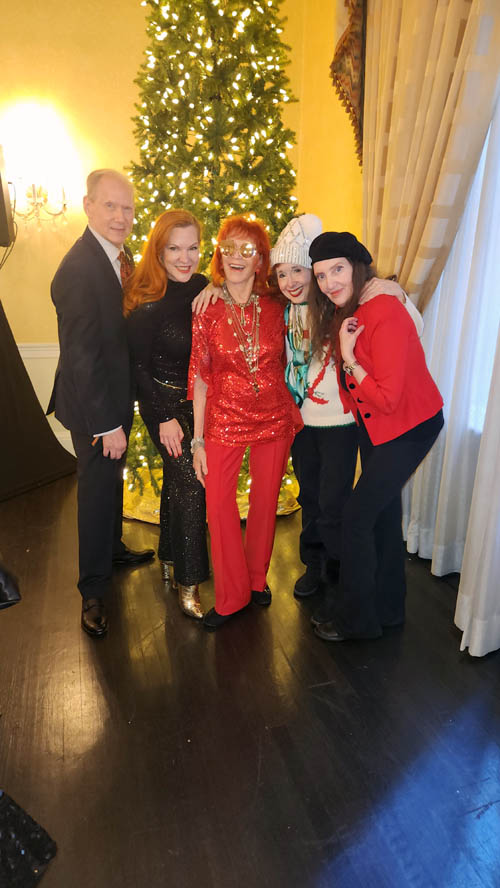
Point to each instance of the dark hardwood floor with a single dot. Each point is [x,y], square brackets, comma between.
[257,756]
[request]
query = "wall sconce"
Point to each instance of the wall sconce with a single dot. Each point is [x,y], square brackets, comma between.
[44,171]
[38,207]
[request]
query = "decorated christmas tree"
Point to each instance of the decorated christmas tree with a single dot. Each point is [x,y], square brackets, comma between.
[210,133]
[209,125]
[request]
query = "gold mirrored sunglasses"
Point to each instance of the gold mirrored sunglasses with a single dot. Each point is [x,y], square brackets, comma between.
[229,248]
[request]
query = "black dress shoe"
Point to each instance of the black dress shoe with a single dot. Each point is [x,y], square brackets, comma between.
[328,632]
[325,612]
[262,597]
[212,620]
[321,616]
[306,585]
[94,617]
[128,558]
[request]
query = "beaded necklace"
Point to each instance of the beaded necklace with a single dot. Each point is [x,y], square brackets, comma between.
[248,340]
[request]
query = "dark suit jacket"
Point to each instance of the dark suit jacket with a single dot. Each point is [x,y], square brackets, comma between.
[92,387]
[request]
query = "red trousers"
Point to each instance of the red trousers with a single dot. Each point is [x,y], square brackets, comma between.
[241,567]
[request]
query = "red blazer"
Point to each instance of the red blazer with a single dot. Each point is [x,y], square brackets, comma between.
[398,393]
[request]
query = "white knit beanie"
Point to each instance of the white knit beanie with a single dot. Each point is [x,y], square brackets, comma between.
[294,241]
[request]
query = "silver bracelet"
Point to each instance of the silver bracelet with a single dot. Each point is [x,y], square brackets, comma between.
[348,368]
[197,442]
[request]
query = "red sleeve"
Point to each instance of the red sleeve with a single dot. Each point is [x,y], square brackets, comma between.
[387,347]
[199,363]
[283,350]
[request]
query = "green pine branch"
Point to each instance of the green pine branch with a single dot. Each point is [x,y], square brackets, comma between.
[209,129]
[213,84]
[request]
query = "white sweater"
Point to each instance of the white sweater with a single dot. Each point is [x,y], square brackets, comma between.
[332,413]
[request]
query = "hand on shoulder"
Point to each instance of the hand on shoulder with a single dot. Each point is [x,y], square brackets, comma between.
[208,296]
[378,286]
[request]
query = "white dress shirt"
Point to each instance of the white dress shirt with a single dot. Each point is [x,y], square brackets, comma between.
[112,252]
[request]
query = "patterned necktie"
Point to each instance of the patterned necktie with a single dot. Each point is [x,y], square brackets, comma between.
[126,267]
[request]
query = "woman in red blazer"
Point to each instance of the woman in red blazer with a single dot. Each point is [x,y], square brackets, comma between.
[384,381]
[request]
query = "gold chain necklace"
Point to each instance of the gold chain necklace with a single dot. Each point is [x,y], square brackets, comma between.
[248,340]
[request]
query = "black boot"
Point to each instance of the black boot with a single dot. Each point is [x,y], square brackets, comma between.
[308,584]
[324,612]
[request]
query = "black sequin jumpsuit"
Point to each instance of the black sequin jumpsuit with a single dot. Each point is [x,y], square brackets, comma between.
[160,344]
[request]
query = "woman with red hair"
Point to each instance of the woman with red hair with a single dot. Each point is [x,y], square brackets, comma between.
[240,400]
[157,304]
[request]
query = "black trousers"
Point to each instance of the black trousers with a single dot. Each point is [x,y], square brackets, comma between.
[372,587]
[324,460]
[183,523]
[100,508]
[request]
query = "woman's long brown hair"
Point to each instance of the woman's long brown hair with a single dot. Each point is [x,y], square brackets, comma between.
[325,318]
[148,282]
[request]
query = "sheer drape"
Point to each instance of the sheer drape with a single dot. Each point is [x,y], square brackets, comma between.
[478,602]
[461,326]
[432,199]
[431,82]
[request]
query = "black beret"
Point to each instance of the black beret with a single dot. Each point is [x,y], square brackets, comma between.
[333,244]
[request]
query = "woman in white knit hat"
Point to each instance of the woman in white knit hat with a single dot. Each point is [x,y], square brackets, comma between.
[324,452]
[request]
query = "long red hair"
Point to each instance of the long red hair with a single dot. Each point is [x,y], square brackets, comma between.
[255,232]
[148,283]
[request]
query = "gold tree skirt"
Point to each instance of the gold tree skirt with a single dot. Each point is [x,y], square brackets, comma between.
[144,505]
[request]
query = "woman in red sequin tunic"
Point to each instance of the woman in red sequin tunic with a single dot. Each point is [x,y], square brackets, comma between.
[240,400]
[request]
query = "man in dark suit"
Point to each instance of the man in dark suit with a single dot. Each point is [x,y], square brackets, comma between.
[92,393]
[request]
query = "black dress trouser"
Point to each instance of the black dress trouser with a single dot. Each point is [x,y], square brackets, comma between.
[324,461]
[100,508]
[372,587]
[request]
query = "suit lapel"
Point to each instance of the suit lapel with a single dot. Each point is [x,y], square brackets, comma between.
[109,276]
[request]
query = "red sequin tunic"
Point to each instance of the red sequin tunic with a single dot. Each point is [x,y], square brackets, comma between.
[235,413]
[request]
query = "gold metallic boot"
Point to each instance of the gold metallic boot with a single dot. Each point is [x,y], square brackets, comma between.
[167,573]
[189,601]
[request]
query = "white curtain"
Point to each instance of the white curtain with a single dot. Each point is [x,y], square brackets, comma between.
[478,602]
[431,86]
[462,324]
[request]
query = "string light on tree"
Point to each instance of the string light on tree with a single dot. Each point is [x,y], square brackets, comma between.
[210,136]
[209,126]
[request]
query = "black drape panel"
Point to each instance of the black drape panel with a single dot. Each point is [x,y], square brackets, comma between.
[30,454]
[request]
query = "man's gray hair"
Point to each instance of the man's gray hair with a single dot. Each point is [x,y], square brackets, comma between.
[95,177]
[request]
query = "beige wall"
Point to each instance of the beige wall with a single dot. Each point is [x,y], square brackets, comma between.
[68,56]
[328,174]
